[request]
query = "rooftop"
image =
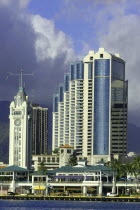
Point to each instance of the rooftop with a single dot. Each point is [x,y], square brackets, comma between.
[39,173]
[13,168]
[72,169]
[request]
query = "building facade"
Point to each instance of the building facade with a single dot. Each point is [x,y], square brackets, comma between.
[90,108]
[57,160]
[39,130]
[20,141]
[50,161]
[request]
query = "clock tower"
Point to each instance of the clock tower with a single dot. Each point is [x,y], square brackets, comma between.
[20,140]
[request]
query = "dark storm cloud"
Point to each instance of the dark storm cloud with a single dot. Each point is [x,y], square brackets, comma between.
[26,42]
[116,25]
[16,48]
[124,37]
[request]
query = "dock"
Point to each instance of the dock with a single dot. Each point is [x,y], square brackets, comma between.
[69,198]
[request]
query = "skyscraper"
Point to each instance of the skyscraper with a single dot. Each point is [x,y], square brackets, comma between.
[20,140]
[39,130]
[90,108]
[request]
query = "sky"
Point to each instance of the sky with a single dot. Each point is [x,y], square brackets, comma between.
[44,36]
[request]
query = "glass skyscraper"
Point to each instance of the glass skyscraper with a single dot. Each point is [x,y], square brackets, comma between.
[90,108]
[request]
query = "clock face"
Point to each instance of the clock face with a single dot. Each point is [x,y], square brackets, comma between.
[17,122]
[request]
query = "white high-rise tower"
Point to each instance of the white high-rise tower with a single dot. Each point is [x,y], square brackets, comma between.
[20,140]
[90,107]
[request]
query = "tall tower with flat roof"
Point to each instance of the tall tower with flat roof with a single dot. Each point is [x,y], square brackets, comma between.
[39,130]
[90,109]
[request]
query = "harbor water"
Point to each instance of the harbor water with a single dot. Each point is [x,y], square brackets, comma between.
[62,205]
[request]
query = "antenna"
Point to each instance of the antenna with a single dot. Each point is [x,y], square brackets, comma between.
[20,76]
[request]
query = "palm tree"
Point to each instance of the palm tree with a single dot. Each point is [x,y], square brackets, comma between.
[136,169]
[42,170]
[119,166]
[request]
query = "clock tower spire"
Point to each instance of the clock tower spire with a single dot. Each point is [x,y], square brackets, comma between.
[20,140]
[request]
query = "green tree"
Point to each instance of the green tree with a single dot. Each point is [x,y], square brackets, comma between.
[135,170]
[42,168]
[119,166]
[136,166]
[55,151]
[72,160]
[125,168]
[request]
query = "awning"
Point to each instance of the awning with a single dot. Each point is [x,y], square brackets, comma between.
[123,179]
[69,177]
[58,188]
[39,188]
[73,188]
[91,188]
[89,177]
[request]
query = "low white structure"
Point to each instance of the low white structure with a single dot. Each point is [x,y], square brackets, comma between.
[65,152]
[90,178]
[50,161]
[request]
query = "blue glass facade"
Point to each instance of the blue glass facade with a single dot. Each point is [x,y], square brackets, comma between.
[118,70]
[72,72]
[101,107]
[77,71]
[61,93]
[55,103]
[66,81]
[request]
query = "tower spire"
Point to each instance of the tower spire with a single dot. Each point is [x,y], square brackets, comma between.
[20,77]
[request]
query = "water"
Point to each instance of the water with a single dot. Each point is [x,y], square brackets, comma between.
[62,205]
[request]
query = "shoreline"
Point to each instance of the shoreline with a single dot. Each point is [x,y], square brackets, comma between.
[70,198]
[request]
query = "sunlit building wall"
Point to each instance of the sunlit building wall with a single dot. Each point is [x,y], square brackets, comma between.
[90,109]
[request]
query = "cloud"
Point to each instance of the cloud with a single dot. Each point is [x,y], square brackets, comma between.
[114,25]
[123,36]
[50,42]
[15,3]
[34,44]
[24,3]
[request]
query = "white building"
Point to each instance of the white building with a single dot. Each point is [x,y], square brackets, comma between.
[20,131]
[90,108]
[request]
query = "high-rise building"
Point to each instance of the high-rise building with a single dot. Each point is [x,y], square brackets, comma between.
[90,108]
[20,139]
[39,130]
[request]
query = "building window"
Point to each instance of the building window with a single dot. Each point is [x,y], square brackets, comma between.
[48,159]
[62,151]
[39,159]
[101,55]
[91,58]
[53,159]
[68,151]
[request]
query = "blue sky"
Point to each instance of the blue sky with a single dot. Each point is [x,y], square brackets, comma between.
[44,36]
[73,19]
[91,24]
[83,20]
